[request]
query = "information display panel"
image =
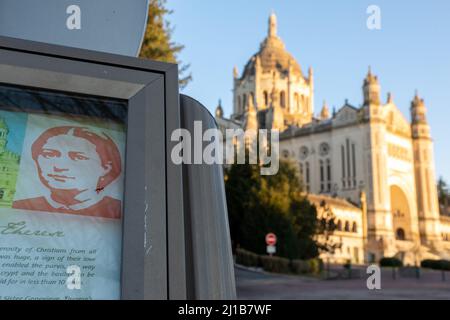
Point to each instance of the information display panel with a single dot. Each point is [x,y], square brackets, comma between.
[62,160]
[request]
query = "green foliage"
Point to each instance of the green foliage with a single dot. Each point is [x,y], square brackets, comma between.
[326,228]
[157,44]
[436,264]
[391,262]
[278,265]
[247,258]
[312,266]
[275,264]
[259,204]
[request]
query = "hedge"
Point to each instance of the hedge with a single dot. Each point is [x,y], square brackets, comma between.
[313,266]
[278,264]
[436,264]
[247,258]
[391,262]
[275,264]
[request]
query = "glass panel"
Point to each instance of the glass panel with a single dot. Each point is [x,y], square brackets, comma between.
[61,172]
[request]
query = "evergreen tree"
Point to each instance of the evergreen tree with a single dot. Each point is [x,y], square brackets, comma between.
[259,204]
[157,44]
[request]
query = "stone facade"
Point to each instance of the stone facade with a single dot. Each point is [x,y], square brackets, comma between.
[370,152]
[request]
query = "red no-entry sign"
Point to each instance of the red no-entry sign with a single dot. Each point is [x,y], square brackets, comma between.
[271,239]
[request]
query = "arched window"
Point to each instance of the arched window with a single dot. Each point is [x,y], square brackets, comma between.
[266,98]
[354,227]
[400,234]
[302,177]
[339,225]
[283,99]
[347,226]
[328,175]
[307,177]
[322,176]
[348,155]
[354,165]
[244,101]
[239,110]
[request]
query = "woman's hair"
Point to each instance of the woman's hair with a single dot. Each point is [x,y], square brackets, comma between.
[106,148]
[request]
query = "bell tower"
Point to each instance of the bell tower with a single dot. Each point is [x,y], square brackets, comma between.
[371,89]
[381,239]
[427,198]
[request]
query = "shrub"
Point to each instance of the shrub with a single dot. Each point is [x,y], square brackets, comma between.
[391,262]
[436,264]
[445,265]
[278,264]
[247,258]
[348,265]
[428,264]
[300,266]
[313,266]
[275,264]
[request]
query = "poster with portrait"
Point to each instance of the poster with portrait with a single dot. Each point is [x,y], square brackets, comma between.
[61,192]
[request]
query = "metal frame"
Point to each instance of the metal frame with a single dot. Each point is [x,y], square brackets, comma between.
[153,255]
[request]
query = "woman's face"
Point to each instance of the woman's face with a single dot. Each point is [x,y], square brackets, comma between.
[68,163]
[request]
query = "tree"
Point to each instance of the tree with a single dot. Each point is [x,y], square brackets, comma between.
[326,230]
[157,44]
[259,204]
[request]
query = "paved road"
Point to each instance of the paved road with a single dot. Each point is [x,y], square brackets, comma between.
[257,285]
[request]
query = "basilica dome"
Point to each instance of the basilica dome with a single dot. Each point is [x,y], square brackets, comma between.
[272,55]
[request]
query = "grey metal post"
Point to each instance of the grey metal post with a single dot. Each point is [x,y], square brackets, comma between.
[209,259]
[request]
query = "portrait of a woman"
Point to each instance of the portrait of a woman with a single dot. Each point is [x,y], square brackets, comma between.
[75,164]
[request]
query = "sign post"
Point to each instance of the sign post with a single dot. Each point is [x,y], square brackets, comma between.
[271,241]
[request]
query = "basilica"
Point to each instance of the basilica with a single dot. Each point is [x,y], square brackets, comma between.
[368,164]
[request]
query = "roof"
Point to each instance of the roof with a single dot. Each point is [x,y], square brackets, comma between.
[227,123]
[307,129]
[317,199]
[272,55]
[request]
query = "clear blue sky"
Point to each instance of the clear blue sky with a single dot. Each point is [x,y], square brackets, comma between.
[411,51]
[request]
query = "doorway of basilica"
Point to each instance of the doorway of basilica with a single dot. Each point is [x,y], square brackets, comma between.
[401,214]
